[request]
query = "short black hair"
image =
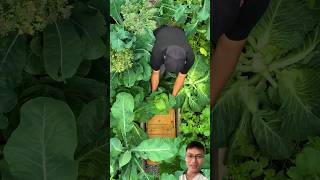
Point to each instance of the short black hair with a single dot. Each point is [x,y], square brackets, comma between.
[195,144]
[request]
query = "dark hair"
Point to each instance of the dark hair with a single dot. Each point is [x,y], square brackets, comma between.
[195,144]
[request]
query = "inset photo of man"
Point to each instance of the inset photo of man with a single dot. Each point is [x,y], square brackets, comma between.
[195,152]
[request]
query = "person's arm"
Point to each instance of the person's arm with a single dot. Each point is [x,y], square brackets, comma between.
[155,63]
[155,76]
[178,83]
[224,61]
[225,58]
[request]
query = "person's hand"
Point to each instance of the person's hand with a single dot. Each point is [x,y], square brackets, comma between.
[155,76]
[178,83]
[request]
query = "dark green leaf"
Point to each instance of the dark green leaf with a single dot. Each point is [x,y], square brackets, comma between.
[85,20]
[299,91]
[90,121]
[265,127]
[5,170]
[43,145]
[35,65]
[3,121]
[61,50]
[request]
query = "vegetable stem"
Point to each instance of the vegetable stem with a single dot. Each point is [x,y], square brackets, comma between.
[142,170]
[268,76]
[9,49]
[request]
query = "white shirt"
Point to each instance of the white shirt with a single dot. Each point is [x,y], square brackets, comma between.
[199,176]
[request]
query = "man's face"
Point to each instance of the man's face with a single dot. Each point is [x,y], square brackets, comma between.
[194,159]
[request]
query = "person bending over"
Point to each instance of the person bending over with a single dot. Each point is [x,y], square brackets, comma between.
[171,53]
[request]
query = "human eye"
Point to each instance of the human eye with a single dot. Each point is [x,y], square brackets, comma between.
[199,156]
[190,156]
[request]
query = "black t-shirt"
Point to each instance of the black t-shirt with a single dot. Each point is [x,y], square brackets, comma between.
[166,36]
[235,21]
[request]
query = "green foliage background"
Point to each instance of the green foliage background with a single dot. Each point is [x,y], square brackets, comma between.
[132,101]
[53,90]
[270,108]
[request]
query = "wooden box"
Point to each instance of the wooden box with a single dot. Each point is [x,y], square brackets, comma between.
[162,126]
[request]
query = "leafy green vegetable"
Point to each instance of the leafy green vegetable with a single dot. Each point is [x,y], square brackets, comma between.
[307,165]
[120,61]
[138,16]
[268,109]
[132,31]
[45,122]
[276,85]
[42,44]
[61,50]
[195,126]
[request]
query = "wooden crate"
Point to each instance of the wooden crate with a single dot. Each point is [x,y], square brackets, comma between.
[162,126]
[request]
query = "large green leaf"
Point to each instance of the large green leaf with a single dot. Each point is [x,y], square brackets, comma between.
[299,90]
[3,121]
[130,172]
[13,57]
[146,68]
[92,153]
[124,158]
[281,29]
[120,38]
[196,89]
[145,41]
[241,142]
[90,121]
[5,171]
[144,112]
[180,15]
[203,92]
[62,48]
[93,162]
[122,111]
[85,19]
[137,135]
[308,48]
[115,148]
[12,61]
[43,145]
[198,70]
[129,77]
[115,6]
[157,149]
[226,115]
[265,128]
